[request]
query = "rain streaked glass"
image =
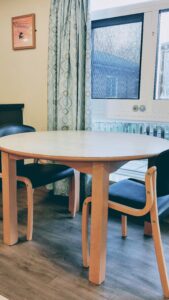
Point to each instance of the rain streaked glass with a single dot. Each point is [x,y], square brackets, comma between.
[116,57]
[162,65]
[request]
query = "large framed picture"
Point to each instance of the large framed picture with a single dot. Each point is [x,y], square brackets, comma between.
[23,32]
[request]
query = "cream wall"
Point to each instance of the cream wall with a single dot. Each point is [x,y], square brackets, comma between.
[23,73]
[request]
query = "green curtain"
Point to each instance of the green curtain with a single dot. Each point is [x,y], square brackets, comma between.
[69,69]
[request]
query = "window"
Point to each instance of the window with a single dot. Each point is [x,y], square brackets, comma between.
[162,68]
[130,61]
[116,57]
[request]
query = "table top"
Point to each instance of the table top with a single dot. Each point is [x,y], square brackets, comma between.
[83,145]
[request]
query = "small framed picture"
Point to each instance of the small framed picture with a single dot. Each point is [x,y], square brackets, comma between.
[23,32]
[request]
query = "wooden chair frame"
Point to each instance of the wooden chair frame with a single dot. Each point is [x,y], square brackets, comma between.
[73,199]
[151,207]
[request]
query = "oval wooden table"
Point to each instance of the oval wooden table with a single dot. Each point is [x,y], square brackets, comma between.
[96,153]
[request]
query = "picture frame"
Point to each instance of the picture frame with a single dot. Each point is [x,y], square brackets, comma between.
[23,32]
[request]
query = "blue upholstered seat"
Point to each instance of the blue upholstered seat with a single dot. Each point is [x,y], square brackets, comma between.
[132,193]
[42,174]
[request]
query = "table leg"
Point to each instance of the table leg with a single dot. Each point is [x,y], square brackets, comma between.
[99,214]
[10,230]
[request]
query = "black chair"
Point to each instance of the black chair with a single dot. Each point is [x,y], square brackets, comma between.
[37,174]
[131,192]
[132,198]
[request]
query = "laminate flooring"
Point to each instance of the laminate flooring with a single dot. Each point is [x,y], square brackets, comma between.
[50,266]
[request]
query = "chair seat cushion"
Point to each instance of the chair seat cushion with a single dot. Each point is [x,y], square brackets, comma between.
[132,193]
[42,174]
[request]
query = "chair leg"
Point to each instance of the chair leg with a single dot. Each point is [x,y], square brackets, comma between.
[147,228]
[85,247]
[74,192]
[124,226]
[159,250]
[30,192]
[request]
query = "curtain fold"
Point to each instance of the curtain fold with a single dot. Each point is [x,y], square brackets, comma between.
[69,69]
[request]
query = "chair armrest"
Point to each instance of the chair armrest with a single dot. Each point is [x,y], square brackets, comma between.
[25,180]
[150,185]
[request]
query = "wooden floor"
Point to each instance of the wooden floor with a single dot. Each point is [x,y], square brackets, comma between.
[50,267]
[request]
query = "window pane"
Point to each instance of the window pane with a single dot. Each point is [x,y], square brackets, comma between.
[116,52]
[162,68]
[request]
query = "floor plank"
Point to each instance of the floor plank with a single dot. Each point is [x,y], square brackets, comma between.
[50,267]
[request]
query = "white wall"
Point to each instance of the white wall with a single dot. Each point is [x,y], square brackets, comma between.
[97,5]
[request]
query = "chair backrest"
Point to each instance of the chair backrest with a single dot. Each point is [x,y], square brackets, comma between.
[162,164]
[15,129]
